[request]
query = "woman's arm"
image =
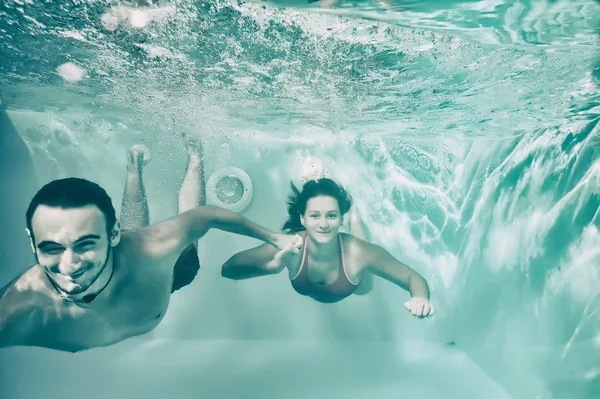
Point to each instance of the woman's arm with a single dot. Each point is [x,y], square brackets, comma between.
[381,263]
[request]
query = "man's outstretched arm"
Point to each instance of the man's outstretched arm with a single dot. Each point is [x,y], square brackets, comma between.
[188,227]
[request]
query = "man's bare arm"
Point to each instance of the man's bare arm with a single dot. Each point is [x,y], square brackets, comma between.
[188,227]
[198,221]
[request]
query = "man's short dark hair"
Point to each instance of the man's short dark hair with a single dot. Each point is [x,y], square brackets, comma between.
[73,192]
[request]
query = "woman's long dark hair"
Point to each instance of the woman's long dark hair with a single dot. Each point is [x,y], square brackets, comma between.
[297,200]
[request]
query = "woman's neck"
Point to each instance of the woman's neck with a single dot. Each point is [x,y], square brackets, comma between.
[323,251]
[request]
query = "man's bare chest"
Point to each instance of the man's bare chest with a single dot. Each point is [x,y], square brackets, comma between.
[130,307]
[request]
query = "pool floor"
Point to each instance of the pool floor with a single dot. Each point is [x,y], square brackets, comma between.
[247,369]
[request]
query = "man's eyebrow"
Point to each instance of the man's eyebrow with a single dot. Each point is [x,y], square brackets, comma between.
[47,243]
[85,237]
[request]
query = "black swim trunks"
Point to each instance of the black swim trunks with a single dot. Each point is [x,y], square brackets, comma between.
[186,268]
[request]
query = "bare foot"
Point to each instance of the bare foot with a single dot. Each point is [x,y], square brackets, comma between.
[138,156]
[195,154]
[195,149]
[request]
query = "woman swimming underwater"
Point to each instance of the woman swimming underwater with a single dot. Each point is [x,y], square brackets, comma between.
[332,265]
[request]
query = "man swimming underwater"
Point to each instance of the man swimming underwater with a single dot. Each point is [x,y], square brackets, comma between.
[95,285]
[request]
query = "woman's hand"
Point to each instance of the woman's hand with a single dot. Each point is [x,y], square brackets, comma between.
[420,307]
[287,243]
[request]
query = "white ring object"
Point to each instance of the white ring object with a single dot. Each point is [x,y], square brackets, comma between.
[230,172]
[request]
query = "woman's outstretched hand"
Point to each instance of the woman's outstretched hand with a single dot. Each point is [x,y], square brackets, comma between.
[287,243]
[420,307]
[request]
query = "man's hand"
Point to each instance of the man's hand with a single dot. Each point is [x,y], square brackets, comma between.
[287,243]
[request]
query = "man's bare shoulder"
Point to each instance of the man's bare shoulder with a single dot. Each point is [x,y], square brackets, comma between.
[138,244]
[33,280]
[19,300]
[153,242]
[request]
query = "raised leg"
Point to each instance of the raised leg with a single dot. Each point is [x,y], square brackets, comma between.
[193,192]
[191,195]
[134,208]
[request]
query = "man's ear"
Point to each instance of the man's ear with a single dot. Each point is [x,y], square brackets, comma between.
[115,234]
[31,243]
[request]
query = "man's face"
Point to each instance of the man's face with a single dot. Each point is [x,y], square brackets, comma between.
[71,245]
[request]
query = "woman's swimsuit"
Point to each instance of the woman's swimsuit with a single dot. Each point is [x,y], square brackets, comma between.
[341,288]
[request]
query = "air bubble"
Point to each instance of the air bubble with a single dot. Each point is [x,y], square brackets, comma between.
[139,18]
[70,72]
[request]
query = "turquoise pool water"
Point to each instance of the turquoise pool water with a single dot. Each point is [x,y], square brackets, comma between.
[466,131]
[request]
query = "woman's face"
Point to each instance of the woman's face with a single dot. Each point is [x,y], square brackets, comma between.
[322,219]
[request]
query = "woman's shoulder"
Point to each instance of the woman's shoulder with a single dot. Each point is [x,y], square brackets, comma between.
[357,247]
[354,243]
[348,238]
